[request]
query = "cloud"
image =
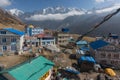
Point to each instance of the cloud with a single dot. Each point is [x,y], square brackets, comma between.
[109,9]
[99,1]
[102,1]
[58,16]
[4,3]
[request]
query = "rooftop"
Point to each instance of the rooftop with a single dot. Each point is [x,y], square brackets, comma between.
[98,44]
[87,58]
[20,33]
[81,42]
[43,36]
[31,70]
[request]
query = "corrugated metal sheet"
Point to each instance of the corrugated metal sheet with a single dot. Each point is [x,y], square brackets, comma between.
[81,42]
[98,44]
[33,70]
[20,33]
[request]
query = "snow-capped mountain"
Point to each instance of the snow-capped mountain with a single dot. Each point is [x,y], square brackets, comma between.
[16,12]
[78,20]
[59,13]
[8,20]
[55,10]
[54,13]
[50,13]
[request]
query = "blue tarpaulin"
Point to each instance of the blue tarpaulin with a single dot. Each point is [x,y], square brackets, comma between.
[98,44]
[85,48]
[65,30]
[87,58]
[72,70]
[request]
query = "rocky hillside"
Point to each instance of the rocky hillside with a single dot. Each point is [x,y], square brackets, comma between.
[8,20]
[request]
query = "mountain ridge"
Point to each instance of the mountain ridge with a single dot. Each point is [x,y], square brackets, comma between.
[77,20]
[8,20]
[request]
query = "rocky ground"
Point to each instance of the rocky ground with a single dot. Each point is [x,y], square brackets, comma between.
[9,61]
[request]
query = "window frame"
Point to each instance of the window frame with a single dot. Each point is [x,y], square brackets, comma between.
[4,48]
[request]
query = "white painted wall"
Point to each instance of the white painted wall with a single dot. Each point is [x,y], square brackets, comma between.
[50,72]
[51,42]
[21,43]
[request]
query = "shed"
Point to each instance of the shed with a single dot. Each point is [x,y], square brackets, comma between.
[86,63]
[87,59]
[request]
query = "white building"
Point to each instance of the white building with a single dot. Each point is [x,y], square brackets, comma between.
[106,53]
[11,40]
[45,39]
[37,31]
[31,30]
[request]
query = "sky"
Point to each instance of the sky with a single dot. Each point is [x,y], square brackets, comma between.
[32,5]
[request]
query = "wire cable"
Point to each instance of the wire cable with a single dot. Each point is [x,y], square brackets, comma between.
[106,18]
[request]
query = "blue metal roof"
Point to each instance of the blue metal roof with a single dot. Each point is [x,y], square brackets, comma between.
[98,44]
[81,42]
[87,58]
[20,33]
[85,48]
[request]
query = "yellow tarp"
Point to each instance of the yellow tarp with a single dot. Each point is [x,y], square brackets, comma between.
[110,72]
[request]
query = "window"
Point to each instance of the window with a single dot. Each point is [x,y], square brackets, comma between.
[3,40]
[103,55]
[114,62]
[103,61]
[59,41]
[43,43]
[3,32]
[60,37]
[52,42]
[13,40]
[13,47]
[48,42]
[109,55]
[116,56]
[4,48]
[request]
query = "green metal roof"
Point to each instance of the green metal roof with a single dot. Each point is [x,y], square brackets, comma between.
[33,70]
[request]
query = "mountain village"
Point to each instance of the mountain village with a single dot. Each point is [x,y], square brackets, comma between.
[43,54]
[59,40]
